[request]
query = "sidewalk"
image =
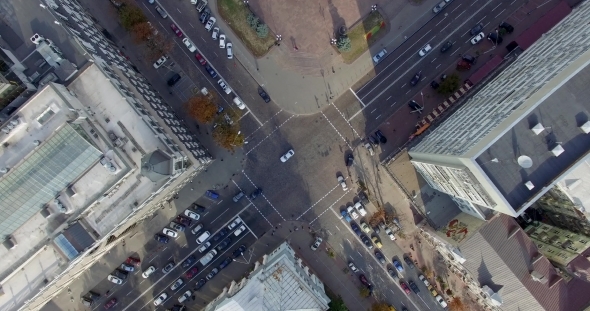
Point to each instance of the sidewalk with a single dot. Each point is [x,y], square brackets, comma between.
[331,77]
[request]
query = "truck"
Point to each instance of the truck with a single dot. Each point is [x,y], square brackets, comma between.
[201,5]
[207,258]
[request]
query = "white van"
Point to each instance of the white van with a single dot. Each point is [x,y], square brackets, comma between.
[203,237]
[239,103]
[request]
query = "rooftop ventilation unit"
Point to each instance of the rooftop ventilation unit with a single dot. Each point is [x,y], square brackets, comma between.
[525,161]
[538,129]
[537,276]
[37,38]
[557,150]
[585,127]
[529,185]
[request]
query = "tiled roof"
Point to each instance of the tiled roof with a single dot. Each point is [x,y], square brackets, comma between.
[501,256]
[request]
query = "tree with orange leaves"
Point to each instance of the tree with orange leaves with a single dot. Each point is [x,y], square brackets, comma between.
[456,304]
[202,108]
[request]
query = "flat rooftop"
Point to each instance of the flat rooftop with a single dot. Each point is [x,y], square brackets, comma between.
[558,118]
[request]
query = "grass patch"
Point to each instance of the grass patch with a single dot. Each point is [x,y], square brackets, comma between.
[234,12]
[359,40]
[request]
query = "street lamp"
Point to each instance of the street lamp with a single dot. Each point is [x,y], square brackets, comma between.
[237,135]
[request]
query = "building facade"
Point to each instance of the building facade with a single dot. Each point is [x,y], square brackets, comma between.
[280,282]
[518,135]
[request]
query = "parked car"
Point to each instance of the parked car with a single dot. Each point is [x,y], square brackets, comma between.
[495,38]
[287,155]
[441,301]
[352,267]
[225,263]
[111,303]
[316,244]
[409,262]
[200,284]
[205,15]
[445,47]
[390,234]
[424,280]
[377,58]
[263,94]
[200,59]
[197,229]
[255,194]
[211,72]
[161,11]
[176,30]
[211,274]
[239,251]
[169,232]
[224,86]
[234,223]
[224,244]
[352,212]
[176,226]
[439,7]
[132,261]
[215,33]
[507,27]
[168,267]
[377,242]
[240,230]
[210,23]
[381,137]
[127,267]
[349,160]
[184,220]
[203,248]
[161,238]
[223,232]
[360,208]
[380,257]
[414,287]
[356,229]
[114,279]
[367,242]
[365,227]
[405,287]
[434,85]
[476,29]
[477,38]
[229,50]
[222,41]
[158,301]
[366,282]
[149,271]
[468,58]
[191,273]
[398,266]
[185,296]
[160,61]
[188,261]
[342,182]
[393,274]
[174,79]
[238,196]
[191,214]
[176,285]
[212,194]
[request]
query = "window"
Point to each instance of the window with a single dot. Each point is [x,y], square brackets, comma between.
[45,116]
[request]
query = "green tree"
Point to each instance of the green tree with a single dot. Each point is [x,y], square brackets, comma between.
[253,20]
[262,30]
[337,304]
[449,85]
[131,15]
[364,292]
[202,108]
[344,44]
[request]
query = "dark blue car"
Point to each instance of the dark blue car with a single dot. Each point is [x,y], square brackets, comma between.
[161,238]
[356,229]
[212,194]
[211,72]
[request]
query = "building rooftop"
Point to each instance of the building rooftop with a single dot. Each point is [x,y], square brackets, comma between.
[543,144]
[576,185]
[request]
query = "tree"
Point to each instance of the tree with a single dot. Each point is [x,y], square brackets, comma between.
[262,30]
[253,20]
[227,136]
[449,85]
[142,32]
[202,108]
[380,306]
[344,44]
[364,292]
[131,15]
[381,216]
[158,46]
[337,304]
[456,304]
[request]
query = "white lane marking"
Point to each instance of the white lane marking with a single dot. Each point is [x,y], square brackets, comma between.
[337,228]
[329,232]
[273,207]
[212,221]
[393,104]
[267,136]
[360,101]
[348,241]
[343,117]
[255,206]
[330,207]
[500,13]
[335,129]
[499,4]
[458,5]
[263,124]
[318,201]
[378,117]
[433,60]
[374,110]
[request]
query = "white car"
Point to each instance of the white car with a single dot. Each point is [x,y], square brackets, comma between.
[148,272]
[169,232]
[342,182]
[185,296]
[160,62]
[377,58]
[441,301]
[316,244]
[158,301]
[224,86]
[359,207]
[114,279]
[287,155]
[177,284]
[475,40]
[390,234]
[197,228]
[210,23]
[425,50]
[203,248]
[239,231]
[191,47]
[191,214]
[222,41]
[352,212]
[234,224]
[230,50]
[352,267]
[215,33]
[194,1]
[365,227]
[424,280]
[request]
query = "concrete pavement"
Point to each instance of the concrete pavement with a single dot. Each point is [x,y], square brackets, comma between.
[327,77]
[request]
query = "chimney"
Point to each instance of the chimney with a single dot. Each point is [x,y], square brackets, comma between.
[537,276]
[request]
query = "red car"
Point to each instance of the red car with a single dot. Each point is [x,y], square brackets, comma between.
[191,273]
[133,261]
[201,60]
[405,287]
[184,220]
[176,30]
[111,303]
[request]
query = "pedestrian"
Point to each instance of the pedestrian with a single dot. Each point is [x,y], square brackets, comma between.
[272,233]
[267,244]
[290,230]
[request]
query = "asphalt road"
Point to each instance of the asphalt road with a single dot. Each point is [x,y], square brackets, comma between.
[304,188]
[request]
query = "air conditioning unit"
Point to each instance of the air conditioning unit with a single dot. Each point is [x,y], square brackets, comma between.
[37,38]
